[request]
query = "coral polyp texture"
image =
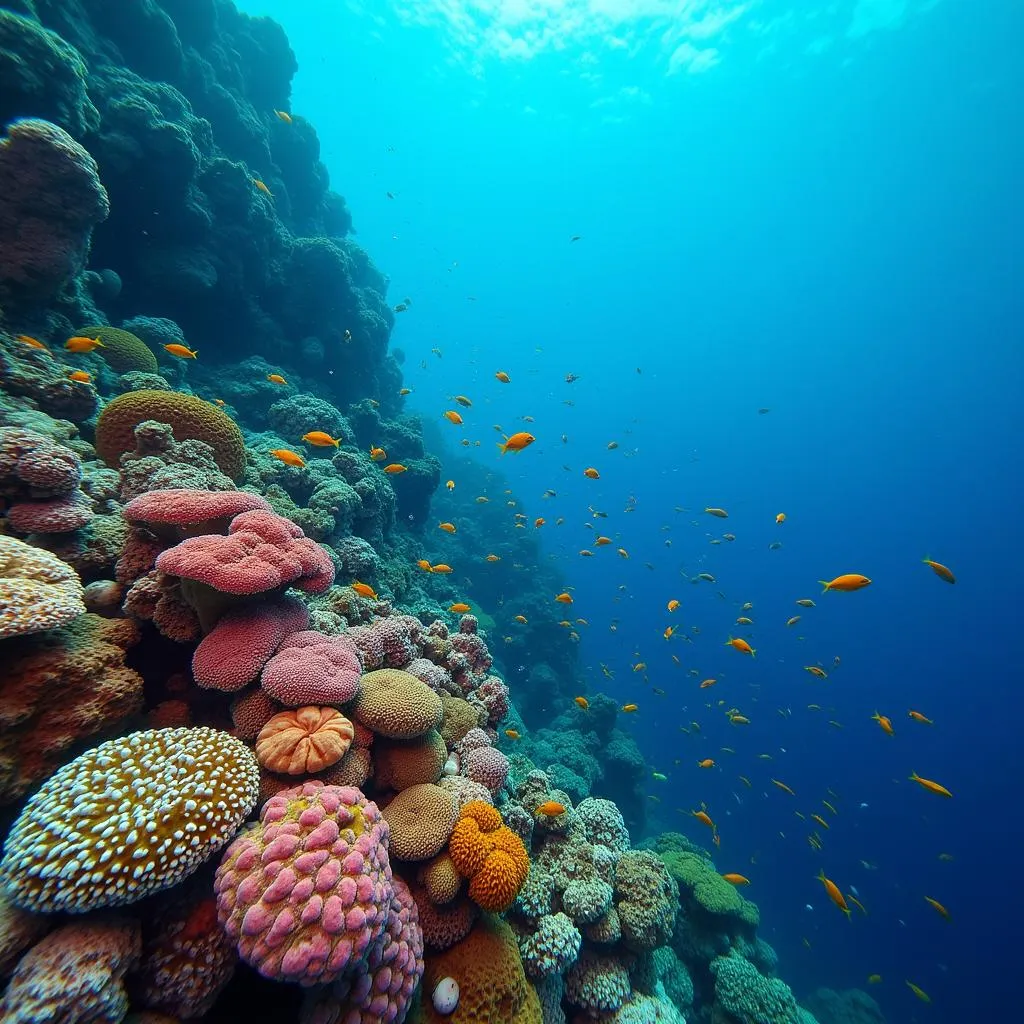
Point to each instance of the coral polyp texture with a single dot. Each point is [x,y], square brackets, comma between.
[304,741]
[37,590]
[306,893]
[128,818]
[189,417]
[488,853]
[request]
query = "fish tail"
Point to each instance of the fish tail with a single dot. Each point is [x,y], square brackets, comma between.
[826,585]
[502,447]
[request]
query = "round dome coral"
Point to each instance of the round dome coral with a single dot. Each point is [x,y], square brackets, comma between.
[307,892]
[421,819]
[189,507]
[37,590]
[129,817]
[310,668]
[396,704]
[188,416]
[304,741]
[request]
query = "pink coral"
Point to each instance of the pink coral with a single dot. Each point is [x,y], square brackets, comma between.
[474,648]
[263,551]
[436,677]
[192,511]
[243,641]
[251,711]
[398,635]
[370,645]
[379,988]
[492,695]
[304,740]
[30,460]
[486,765]
[51,515]
[307,892]
[310,668]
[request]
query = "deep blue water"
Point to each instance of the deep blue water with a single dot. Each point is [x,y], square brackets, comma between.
[810,208]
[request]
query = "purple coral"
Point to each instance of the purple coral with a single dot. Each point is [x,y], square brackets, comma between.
[307,893]
[310,668]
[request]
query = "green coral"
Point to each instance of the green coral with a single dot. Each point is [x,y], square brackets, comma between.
[700,881]
[748,997]
[124,352]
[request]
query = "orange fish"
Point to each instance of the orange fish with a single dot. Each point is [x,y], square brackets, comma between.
[821,821]
[80,344]
[453,417]
[918,717]
[623,553]
[288,457]
[847,582]
[834,894]
[80,376]
[181,351]
[582,702]
[460,607]
[780,518]
[423,564]
[447,527]
[591,473]
[718,512]
[782,786]
[564,598]
[739,720]
[741,645]
[450,485]
[703,817]
[441,568]
[932,787]
[669,630]
[493,558]
[550,809]
[672,605]
[276,378]
[394,468]
[517,442]
[629,708]
[405,391]
[364,590]
[816,671]
[733,879]
[378,454]
[262,187]
[940,570]
[602,541]
[939,907]
[538,522]
[26,339]
[321,439]
[707,682]
[521,619]
[884,723]
[706,763]
[503,376]
[284,116]
[512,734]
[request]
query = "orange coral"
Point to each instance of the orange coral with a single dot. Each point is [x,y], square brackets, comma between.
[490,855]
[188,417]
[303,740]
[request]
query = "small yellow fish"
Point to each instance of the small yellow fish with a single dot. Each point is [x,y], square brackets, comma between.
[805,602]
[493,558]
[26,339]
[739,720]
[512,734]
[741,645]
[503,377]
[453,417]
[364,590]
[276,378]
[321,439]
[628,708]
[80,344]
[262,187]
[284,116]
[817,671]
[288,457]
[940,570]
[521,619]
[939,907]
[80,377]
[672,605]
[720,513]
[378,454]
[918,717]
[450,485]
[792,620]
[181,351]
[743,620]
[460,607]
[848,582]
[582,702]
[463,401]
[784,788]
[447,527]
[734,879]
[874,979]
[780,518]
[394,468]
[441,568]
[564,598]
[591,474]
[919,992]
[821,821]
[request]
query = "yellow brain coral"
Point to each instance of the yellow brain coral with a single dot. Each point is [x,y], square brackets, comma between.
[122,350]
[189,417]
[37,590]
[492,984]
[421,819]
[488,853]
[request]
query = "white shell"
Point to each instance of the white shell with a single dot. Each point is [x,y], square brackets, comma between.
[446,996]
[451,766]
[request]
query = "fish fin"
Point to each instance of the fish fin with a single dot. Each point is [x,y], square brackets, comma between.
[824,583]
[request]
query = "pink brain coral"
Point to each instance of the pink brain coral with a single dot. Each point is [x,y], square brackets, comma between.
[310,668]
[307,892]
[242,642]
[304,740]
[486,765]
[189,507]
[263,551]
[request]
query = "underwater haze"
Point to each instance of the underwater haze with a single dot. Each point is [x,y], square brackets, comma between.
[808,208]
[509,511]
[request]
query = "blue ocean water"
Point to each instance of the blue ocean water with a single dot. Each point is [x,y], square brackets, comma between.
[813,209]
